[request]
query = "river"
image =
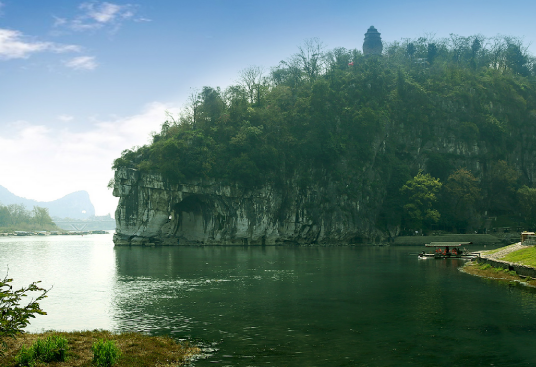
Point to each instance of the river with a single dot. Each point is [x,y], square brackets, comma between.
[282,306]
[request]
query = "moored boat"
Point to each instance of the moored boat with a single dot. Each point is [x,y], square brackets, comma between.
[447,250]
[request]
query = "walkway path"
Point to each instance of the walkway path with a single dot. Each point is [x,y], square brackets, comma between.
[503,252]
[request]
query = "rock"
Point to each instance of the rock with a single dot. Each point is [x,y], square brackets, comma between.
[152,211]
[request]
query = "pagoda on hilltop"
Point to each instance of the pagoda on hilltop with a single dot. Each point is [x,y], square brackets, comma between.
[373,42]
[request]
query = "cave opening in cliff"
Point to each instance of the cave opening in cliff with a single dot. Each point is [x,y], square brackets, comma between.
[191,204]
[189,218]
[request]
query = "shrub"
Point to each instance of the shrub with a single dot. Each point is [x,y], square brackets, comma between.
[485,266]
[26,356]
[105,353]
[51,349]
[13,317]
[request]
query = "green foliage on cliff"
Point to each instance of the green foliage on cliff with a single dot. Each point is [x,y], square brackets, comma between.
[421,192]
[331,115]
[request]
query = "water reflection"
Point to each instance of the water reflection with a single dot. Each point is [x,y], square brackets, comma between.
[324,306]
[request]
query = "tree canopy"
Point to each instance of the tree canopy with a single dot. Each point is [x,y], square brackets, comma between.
[17,217]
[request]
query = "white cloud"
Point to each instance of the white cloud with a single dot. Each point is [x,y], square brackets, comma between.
[82,63]
[14,45]
[46,164]
[102,13]
[97,15]
[65,118]
[59,21]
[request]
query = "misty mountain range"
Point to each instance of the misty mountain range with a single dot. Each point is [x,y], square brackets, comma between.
[76,205]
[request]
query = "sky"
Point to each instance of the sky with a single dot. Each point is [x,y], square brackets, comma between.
[80,81]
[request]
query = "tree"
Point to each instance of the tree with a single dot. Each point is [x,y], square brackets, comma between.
[501,182]
[462,194]
[432,53]
[41,216]
[5,217]
[516,59]
[421,192]
[13,316]
[475,47]
[311,58]
[251,79]
[527,204]
[410,50]
[18,213]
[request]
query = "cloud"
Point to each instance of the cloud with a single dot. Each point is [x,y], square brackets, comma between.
[96,15]
[46,164]
[14,45]
[82,63]
[104,12]
[65,118]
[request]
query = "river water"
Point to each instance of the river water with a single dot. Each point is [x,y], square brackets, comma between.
[282,306]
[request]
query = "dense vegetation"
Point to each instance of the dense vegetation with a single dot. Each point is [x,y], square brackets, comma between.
[15,217]
[329,115]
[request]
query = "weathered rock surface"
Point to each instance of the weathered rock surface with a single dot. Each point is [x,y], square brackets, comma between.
[154,212]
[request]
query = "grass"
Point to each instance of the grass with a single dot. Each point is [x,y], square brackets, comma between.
[137,350]
[105,353]
[488,271]
[525,256]
[51,348]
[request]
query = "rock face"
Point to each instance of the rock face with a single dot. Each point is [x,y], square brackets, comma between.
[154,212]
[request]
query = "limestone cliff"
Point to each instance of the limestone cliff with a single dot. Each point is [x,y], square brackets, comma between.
[153,212]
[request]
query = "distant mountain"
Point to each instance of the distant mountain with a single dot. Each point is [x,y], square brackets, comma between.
[75,205]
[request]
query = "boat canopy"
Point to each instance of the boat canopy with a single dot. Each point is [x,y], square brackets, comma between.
[447,244]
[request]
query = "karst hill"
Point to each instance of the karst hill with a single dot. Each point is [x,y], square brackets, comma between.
[340,146]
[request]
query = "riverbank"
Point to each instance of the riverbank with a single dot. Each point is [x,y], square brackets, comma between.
[477,239]
[136,349]
[515,262]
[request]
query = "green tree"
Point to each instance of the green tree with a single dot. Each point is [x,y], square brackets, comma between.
[5,216]
[516,60]
[421,192]
[462,195]
[252,80]
[527,204]
[501,185]
[18,214]
[432,53]
[41,216]
[13,316]
[410,50]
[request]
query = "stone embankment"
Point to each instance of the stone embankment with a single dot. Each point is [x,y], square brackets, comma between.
[494,259]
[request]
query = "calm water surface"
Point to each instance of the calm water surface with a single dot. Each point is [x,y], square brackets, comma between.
[282,306]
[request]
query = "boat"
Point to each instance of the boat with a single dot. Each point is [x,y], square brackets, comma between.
[448,250]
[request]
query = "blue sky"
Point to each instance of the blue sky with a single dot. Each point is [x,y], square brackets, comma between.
[80,81]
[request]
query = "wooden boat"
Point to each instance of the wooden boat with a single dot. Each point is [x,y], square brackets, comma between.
[448,250]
